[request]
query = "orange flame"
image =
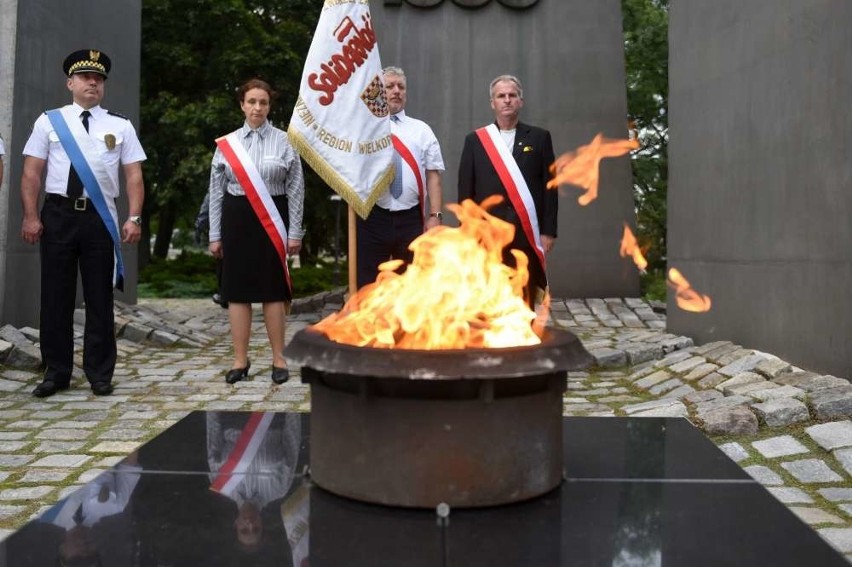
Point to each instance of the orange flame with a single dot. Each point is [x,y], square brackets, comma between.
[582,166]
[686,297]
[630,247]
[457,293]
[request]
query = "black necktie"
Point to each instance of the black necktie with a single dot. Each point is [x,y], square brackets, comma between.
[78,515]
[75,186]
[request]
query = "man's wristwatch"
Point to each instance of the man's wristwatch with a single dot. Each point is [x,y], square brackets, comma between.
[135,219]
[439,215]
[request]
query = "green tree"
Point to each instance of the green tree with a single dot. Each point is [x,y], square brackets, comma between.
[195,53]
[646,60]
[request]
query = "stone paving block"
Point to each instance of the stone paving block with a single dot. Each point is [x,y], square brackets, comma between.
[734,451]
[687,365]
[712,380]
[772,367]
[123,447]
[796,378]
[734,357]
[652,380]
[59,447]
[700,371]
[677,409]
[823,383]
[645,406]
[677,343]
[609,357]
[844,457]
[63,434]
[764,475]
[62,461]
[774,392]
[673,358]
[811,471]
[27,493]
[12,446]
[781,412]
[839,538]
[831,435]
[741,378]
[846,508]
[780,446]
[752,389]
[680,392]
[836,494]
[702,396]
[12,435]
[719,403]
[639,353]
[41,476]
[9,511]
[790,495]
[14,461]
[737,420]
[664,387]
[832,403]
[814,516]
[710,347]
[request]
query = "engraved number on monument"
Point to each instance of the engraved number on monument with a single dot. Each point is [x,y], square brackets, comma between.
[516,4]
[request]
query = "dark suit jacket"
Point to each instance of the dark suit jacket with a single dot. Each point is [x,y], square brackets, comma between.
[478,179]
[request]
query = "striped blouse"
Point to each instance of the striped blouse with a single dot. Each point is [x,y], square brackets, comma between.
[279,166]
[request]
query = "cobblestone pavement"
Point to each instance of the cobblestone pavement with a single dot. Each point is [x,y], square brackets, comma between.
[789,429]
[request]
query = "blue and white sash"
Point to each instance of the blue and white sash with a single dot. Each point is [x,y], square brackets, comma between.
[85,158]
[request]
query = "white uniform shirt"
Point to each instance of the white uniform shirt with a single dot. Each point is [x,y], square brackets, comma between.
[44,144]
[421,141]
[2,148]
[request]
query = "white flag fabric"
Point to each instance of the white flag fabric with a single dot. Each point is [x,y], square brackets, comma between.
[340,123]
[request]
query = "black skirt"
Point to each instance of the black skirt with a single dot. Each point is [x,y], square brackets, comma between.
[251,268]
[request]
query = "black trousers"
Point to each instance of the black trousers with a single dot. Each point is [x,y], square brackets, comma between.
[384,235]
[74,240]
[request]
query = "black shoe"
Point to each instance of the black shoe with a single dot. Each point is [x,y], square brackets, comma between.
[48,388]
[102,388]
[217,299]
[280,375]
[234,375]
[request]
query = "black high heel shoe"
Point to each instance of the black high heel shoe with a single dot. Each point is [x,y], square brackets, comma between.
[280,375]
[234,375]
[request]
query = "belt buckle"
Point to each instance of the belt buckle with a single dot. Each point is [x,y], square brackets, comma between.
[80,204]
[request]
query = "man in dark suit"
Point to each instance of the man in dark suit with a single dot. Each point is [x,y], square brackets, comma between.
[511,159]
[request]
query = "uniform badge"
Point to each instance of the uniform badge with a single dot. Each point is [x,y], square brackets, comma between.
[109,140]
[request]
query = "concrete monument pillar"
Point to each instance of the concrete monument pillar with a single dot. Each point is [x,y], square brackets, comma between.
[35,37]
[760,182]
[569,56]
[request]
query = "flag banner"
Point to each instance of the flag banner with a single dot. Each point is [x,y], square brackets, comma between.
[340,123]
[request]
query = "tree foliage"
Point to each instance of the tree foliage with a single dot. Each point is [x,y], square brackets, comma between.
[646,60]
[195,53]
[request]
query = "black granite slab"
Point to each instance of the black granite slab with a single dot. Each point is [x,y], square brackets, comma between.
[637,492]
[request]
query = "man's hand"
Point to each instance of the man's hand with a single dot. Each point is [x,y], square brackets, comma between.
[547,242]
[31,229]
[293,247]
[131,232]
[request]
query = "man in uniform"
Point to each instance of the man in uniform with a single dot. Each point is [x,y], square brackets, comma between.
[82,146]
[511,159]
[412,203]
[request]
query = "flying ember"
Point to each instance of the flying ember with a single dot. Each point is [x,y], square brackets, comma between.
[582,166]
[630,247]
[456,294]
[686,297]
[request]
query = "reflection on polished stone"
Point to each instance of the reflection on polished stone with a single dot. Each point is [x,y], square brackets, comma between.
[232,489]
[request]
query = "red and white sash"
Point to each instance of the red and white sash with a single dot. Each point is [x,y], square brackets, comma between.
[258,195]
[408,157]
[514,183]
[232,473]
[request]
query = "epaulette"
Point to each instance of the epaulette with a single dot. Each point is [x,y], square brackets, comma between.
[111,113]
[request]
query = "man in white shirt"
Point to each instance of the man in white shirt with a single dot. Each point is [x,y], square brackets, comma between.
[82,146]
[412,204]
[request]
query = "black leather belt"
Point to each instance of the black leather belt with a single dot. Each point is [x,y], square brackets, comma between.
[80,204]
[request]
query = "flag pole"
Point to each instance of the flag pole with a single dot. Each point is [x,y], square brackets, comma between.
[353,254]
